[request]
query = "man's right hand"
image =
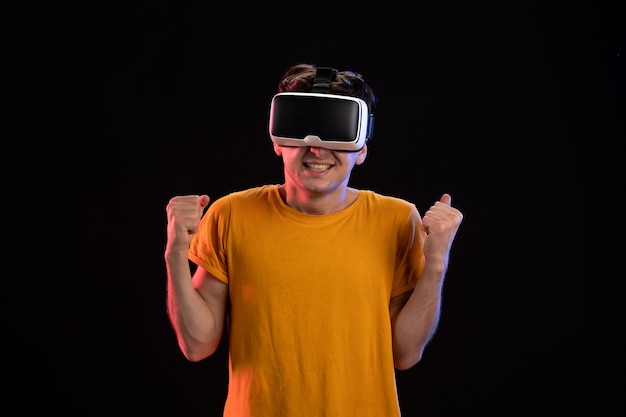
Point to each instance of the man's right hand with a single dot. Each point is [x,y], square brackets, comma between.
[183,217]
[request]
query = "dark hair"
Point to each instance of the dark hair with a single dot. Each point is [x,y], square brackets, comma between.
[300,78]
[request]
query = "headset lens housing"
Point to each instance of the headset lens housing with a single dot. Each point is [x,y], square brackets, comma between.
[317,119]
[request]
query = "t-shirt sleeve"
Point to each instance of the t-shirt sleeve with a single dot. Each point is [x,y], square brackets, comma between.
[410,254]
[208,248]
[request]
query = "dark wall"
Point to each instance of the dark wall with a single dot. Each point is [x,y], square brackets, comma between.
[516,109]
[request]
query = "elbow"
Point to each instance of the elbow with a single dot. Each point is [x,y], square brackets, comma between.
[197,352]
[405,362]
[195,356]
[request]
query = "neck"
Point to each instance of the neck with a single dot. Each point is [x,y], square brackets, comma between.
[317,203]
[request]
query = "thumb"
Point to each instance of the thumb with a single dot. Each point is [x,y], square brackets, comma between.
[446,199]
[204,200]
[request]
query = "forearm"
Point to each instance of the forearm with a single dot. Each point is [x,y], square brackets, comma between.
[416,323]
[194,322]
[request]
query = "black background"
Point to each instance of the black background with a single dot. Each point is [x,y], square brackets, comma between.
[515,108]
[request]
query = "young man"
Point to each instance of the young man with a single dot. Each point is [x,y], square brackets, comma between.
[323,289]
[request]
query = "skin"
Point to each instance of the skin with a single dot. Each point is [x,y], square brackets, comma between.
[316,182]
[316,179]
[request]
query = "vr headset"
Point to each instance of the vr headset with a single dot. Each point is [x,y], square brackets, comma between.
[319,118]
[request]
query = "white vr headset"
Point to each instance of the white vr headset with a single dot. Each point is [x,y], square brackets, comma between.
[320,119]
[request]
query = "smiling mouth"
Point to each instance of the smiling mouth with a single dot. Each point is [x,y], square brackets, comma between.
[318,167]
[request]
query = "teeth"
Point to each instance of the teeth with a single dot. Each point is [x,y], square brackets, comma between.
[318,167]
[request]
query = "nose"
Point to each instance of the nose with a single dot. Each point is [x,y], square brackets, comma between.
[317,150]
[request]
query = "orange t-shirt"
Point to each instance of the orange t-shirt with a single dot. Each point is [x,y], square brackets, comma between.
[309,326]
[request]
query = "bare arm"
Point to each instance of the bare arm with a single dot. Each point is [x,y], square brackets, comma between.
[196,306]
[415,315]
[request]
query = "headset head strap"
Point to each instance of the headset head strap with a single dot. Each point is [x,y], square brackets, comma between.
[323,77]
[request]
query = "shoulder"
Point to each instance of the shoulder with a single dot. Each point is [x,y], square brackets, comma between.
[390,209]
[248,199]
[248,194]
[383,200]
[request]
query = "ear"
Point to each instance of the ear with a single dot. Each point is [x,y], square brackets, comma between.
[277,149]
[361,156]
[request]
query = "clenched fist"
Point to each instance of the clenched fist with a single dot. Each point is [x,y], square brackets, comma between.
[183,217]
[441,222]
